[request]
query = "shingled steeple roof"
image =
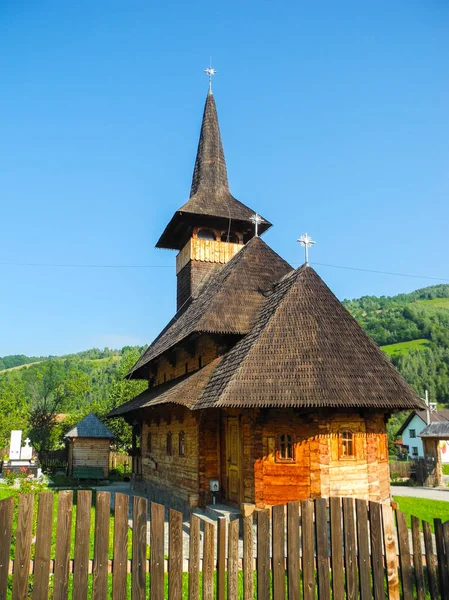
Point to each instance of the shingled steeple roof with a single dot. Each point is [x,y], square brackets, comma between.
[210,202]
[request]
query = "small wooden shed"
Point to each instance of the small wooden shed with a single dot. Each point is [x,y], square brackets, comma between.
[89,445]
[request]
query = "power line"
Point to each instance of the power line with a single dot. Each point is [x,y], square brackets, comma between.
[106,266]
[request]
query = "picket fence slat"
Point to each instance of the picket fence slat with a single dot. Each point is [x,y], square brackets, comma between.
[221,558]
[23,547]
[293,549]
[308,566]
[417,559]
[430,561]
[6,515]
[322,549]
[442,562]
[377,561]
[120,558]
[139,546]
[233,561]
[43,546]
[175,555]
[248,580]
[361,509]
[446,543]
[404,556]
[157,551]
[63,533]
[350,548]
[100,567]
[194,559]
[338,575]
[390,552]
[82,544]
[208,561]
[263,555]
[278,541]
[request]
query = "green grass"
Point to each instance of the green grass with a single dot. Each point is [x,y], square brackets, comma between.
[424,509]
[439,303]
[405,347]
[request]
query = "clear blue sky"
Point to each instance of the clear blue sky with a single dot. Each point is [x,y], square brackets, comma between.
[334,118]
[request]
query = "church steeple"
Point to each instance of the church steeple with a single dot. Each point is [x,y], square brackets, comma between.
[212,225]
[210,203]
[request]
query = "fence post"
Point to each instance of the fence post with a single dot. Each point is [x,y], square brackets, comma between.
[293,549]
[417,559]
[248,581]
[82,544]
[43,546]
[390,552]
[278,541]
[23,547]
[120,561]
[63,533]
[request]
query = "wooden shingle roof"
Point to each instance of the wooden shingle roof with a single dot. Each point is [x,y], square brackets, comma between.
[90,427]
[228,302]
[304,350]
[209,194]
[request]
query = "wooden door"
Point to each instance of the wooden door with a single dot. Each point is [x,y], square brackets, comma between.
[233,459]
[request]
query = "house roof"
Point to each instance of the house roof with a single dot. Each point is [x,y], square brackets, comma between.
[228,302]
[435,416]
[437,429]
[90,427]
[209,193]
[304,350]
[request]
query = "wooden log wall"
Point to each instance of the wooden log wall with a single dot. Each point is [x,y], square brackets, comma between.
[89,452]
[318,468]
[172,472]
[182,362]
[339,548]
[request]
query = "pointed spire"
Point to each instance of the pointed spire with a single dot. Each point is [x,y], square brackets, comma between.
[210,175]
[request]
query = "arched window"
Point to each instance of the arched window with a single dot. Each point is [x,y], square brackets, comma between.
[285,447]
[149,442]
[205,234]
[169,444]
[182,443]
[231,238]
[347,449]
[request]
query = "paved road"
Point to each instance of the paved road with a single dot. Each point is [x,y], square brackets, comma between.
[420,492]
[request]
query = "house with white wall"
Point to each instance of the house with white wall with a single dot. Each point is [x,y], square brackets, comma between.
[414,425]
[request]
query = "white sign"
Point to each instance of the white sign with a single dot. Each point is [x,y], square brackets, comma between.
[26,453]
[15,444]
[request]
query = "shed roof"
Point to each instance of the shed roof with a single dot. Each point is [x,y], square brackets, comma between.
[439,429]
[90,427]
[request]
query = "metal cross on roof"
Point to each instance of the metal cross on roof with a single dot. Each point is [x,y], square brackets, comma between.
[211,72]
[307,242]
[256,219]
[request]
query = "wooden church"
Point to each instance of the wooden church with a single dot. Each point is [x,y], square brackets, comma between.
[262,385]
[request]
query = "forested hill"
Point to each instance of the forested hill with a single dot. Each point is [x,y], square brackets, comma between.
[413,329]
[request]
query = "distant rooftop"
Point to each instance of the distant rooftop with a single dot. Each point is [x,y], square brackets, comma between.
[90,427]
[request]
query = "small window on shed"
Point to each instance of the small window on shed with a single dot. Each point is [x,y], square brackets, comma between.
[169,444]
[347,444]
[285,447]
[182,443]
[149,442]
[205,234]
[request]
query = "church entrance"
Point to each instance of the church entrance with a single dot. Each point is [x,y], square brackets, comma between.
[233,459]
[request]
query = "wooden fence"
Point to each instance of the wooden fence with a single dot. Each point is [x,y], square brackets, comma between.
[339,548]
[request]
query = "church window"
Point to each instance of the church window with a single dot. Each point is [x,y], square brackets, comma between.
[136,436]
[231,238]
[149,442]
[169,444]
[347,449]
[200,362]
[285,448]
[206,234]
[182,443]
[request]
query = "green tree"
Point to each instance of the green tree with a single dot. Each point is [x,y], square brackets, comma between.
[14,412]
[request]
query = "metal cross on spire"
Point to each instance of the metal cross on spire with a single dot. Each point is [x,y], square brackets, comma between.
[256,219]
[211,72]
[306,242]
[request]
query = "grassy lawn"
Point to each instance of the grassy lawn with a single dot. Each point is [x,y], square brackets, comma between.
[436,303]
[425,510]
[405,347]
